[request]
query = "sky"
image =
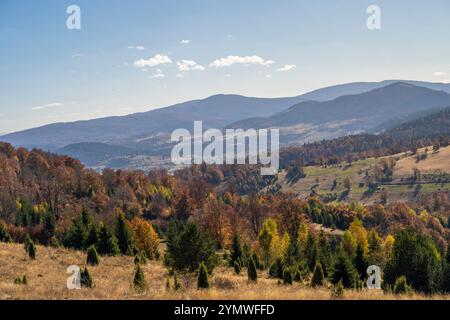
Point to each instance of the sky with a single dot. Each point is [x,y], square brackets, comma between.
[137,55]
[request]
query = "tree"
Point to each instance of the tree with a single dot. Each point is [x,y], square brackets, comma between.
[359,233]
[318,276]
[92,236]
[202,282]
[311,252]
[145,238]
[237,267]
[188,246]
[360,262]
[86,279]
[287,276]
[348,243]
[416,257]
[124,235]
[236,250]
[183,208]
[139,282]
[344,271]
[29,247]
[92,256]
[107,242]
[4,234]
[251,270]
[75,236]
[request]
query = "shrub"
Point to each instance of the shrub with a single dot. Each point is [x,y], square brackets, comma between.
[401,286]
[337,291]
[21,280]
[203,282]
[236,250]
[139,282]
[140,258]
[251,270]
[276,269]
[318,276]
[92,256]
[176,283]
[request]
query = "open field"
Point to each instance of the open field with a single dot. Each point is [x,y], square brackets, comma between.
[321,179]
[113,277]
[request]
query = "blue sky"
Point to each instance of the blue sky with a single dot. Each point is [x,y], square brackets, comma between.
[129,56]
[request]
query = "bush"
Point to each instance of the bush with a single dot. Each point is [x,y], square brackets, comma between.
[251,270]
[188,246]
[21,280]
[203,282]
[337,291]
[86,279]
[236,250]
[140,258]
[139,282]
[176,283]
[92,256]
[276,269]
[318,276]
[401,286]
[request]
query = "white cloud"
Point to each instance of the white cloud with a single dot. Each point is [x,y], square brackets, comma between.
[446,81]
[52,105]
[153,62]
[439,74]
[189,65]
[158,74]
[247,60]
[287,67]
[186,41]
[76,55]
[137,47]
[268,76]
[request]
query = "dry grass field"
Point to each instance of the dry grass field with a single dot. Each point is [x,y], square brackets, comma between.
[435,161]
[113,277]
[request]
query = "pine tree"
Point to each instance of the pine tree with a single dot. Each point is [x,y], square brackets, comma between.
[318,276]
[203,282]
[92,256]
[86,279]
[287,276]
[251,270]
[4,234]
[236,249]
[29,247]
[107,242]
[360,262]
[237,267]
[92,236]
[139,282]
[124,235]
[343,270]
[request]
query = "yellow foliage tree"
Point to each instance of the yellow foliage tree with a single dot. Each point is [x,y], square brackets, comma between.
[348,243]
[359,233]
[269,241]
[145,238]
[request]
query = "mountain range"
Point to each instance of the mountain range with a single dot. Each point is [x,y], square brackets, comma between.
[321,114]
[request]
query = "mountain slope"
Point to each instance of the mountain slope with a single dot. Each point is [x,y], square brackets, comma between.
[216,111]
[312,120]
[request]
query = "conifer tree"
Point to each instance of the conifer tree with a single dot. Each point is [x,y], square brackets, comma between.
[343,270]
[251,270]
[92,256]
[107,242]
[236,249]
[4,234]
[86,279]
[318,276]
[237,267]
[203,281]
[29,247]
[139,282]
[360,262]
[287,276]
[124,235]
[92,236]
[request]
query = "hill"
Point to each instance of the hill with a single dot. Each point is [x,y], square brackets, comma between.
[312,120]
